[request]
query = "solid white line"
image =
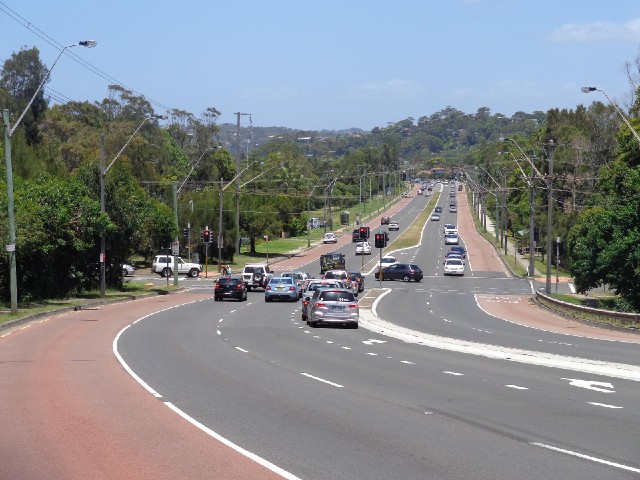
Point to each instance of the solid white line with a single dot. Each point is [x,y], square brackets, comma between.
[322,380]
[128,369]
[259,460]
[603,405]
[586,457]
[242,350]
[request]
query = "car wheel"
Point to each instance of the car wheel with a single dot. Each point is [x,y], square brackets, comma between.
[124,272]
[406,278]
[216,299]
[194,272]
[267,299]
[418,280]
[166,272]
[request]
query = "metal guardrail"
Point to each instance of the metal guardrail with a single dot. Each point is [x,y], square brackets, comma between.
[594,315]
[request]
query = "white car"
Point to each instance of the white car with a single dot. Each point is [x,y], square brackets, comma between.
[451,239]
[163,265]
[386,261]
[394,226]
[329,238]
[451,230]
[363,248]
[435,217]
[453,266]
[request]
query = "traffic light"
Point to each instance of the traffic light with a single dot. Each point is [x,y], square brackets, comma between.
[380,240]
[185,232]
[206,236]
[364,233]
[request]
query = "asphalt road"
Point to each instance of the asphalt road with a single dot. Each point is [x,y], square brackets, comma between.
[341,404]
[246,390]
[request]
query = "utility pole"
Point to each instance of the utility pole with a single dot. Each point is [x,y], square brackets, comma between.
[532,237]
[504,211]
[238,154]
[220,226]
[552,147]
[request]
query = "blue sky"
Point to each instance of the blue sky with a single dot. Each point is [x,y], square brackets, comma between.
[335,64]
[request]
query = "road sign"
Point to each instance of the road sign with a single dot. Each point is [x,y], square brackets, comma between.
[175,248]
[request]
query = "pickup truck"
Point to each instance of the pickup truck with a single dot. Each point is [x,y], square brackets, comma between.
[163,266]
[256,275]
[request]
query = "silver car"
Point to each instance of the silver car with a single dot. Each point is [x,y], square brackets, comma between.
[333,306]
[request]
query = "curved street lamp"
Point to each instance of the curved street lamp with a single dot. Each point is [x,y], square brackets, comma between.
[594,89]
[8,132]
[103,173]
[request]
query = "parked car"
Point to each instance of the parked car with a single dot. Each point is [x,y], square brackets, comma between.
[460,249]
[230,287]
[363,248]
[163,265]
[394,226]
[401,271]
[127,269]
[357,277]
[451,239]
[384,221]
[282,288]
[454,266]
[329,237]
[333,306]
[435,217]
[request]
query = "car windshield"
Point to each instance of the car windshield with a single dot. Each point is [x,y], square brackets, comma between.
[337,296]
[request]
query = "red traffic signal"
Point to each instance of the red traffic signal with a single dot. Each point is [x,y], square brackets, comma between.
[380,240]
[364,233]
[206,236]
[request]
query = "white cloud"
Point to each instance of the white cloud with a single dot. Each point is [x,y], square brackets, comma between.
[598,32]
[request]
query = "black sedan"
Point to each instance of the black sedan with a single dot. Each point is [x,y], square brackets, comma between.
[401,271]
[230,287]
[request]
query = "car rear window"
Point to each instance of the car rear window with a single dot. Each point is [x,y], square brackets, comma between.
[228,281]
[281,281]
[334,296]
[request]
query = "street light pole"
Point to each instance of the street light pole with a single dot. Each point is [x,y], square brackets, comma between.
[103,173]
[552,147]
[594,89]
[8,133]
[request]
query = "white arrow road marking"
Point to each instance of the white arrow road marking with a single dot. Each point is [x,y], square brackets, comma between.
[590,385]
[371,341]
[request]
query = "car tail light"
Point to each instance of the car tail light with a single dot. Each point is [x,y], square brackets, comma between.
[239,287]
[321,305]
[268,288]
[218,286]
[306,302]
[292,288]
[352,305]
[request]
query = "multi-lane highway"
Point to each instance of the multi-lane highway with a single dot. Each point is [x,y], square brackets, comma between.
[389,400]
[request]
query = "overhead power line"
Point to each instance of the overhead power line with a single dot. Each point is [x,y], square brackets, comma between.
[59,46]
